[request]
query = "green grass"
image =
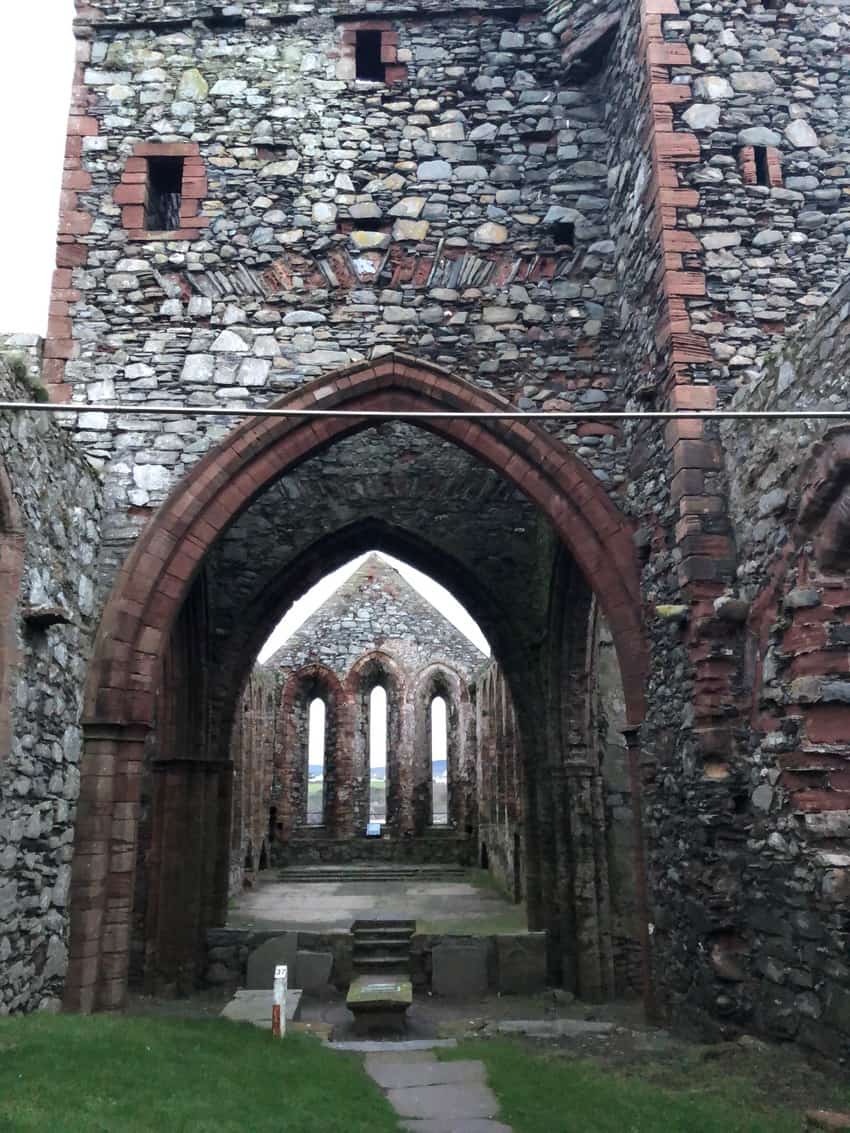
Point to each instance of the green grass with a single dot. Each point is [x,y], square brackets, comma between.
[541,1091]
[113,1074]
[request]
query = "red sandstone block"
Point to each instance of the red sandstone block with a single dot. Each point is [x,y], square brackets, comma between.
[802,637]
[166,149]
[60,348]
[133,216]
[677,146]
[195,188]
[683,283]
[821,662]
[74,223]
[693,397]
[389,53]
[696,454]
[669,54]
[130,194]
[680,240]
[76,179]
[395,74]
[59,326]
[82,127]
[670,93]
[70,254]
[827,724]
[814,801]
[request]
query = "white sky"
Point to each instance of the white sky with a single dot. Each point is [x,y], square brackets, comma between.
[36,71]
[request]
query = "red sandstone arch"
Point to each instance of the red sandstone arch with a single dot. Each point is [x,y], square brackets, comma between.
[157,574]
[153,585]
[11,572]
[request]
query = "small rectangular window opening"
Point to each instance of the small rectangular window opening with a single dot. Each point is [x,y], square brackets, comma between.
[762,173]
[368,57]
[165,184]
[564,232]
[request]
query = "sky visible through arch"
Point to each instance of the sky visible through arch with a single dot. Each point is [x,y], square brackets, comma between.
[432,591]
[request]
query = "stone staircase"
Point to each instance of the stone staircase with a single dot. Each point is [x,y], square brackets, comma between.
[370,873]
[382,947]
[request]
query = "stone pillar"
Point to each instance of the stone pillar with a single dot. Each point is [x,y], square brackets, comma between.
[532,851]
[185,869]
[103,868]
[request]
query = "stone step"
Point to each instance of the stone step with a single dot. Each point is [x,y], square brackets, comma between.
[338,875]
[381,942]
[382,962]
[384,927]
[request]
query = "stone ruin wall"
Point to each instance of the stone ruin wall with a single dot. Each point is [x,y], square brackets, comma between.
[787,945]
[50,515]
[713,270]
[232,313]
[459,162]
[373,629]
[608,871]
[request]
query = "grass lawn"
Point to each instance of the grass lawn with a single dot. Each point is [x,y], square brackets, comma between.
[541,1091]
[112,1074]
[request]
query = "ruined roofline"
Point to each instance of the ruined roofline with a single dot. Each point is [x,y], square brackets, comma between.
[377,568]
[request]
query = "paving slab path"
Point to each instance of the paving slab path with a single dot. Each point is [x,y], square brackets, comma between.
[436,1097]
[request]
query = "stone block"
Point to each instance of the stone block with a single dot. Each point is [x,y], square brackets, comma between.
[313,970]
[459,969]
[521,963]
[263,961]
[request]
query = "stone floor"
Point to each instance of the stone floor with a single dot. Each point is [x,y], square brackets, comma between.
[451,906]
[436,1097]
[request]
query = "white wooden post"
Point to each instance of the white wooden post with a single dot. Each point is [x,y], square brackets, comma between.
[281,974]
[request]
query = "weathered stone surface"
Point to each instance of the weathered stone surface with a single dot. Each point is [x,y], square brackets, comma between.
[263,961]
[521,963]
[313,971]
[459,970]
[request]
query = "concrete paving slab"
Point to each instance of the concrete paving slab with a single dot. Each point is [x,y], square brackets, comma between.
[461,1125]
[444,1102]
[553,1028]
[401,1074]
[255,1007]
[375,1046]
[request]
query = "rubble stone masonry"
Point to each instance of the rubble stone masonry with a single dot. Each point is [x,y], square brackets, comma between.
[50,516]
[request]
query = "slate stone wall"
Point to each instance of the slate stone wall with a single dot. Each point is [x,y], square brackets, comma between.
[788,483]
[340,219]
[49,536]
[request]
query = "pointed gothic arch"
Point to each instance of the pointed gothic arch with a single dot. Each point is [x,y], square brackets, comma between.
[150,591]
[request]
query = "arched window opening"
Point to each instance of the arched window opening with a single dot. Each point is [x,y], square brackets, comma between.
[316,763]
[439,763]
[378,754]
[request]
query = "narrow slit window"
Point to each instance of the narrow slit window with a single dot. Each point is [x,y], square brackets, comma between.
[368,57]
[762,171]
[316,763]
[378,754]
[439,763]
[165,185]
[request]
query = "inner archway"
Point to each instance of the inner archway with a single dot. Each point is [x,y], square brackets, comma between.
[534,488]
